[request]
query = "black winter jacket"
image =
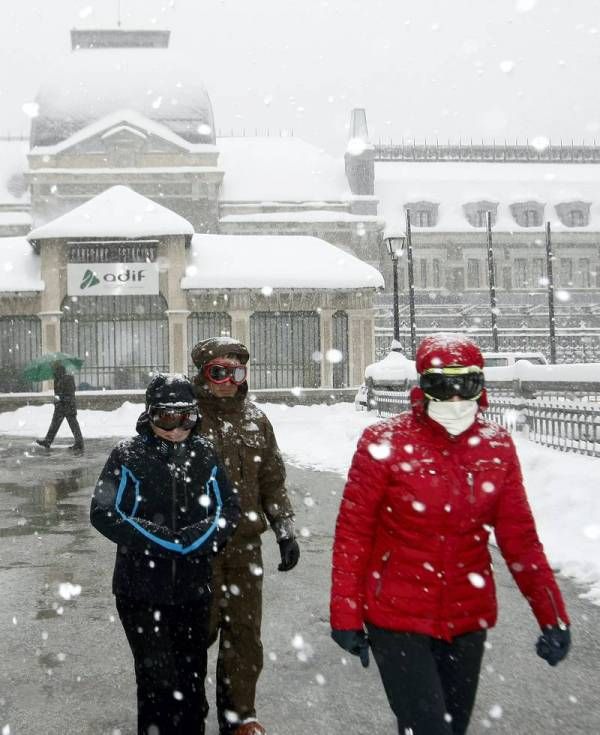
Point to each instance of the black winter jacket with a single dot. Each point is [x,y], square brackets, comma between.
[168,507]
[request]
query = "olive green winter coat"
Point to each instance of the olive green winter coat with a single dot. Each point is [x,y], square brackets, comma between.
[244,440]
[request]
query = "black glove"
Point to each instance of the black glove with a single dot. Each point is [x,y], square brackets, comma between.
[553,645]
[355,642]
[290,553]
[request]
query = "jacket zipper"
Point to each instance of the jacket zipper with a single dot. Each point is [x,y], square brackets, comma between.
[471,484]
[174,521]
[385,559]
[561,624]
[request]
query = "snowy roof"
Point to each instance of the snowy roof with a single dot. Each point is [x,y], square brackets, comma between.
[116,212]
[453,184]
[117,120]
[20,267]
[263,262]
[279,169]
[13,165]
[90,83]
[310,215]
[10,218]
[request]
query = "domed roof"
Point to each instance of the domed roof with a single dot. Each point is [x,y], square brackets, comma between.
[91,83]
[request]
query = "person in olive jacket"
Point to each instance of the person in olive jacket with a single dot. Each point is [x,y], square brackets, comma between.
[165,500]
[243,437]
[412,575]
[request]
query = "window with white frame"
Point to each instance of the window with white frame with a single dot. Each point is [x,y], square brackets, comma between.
[476,212]
[574,214]
[473,273]
[520,273]
[528,214]
[423,213]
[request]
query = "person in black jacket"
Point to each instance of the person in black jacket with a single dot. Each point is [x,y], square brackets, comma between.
[165,500]
[65,407]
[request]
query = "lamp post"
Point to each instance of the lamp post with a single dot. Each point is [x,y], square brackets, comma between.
[411,288]
[394,242]
[492,281]
[550,279]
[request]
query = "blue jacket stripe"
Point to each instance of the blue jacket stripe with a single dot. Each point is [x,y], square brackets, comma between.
[125,473]
[212,481]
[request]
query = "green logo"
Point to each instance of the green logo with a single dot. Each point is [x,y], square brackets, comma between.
[89,280]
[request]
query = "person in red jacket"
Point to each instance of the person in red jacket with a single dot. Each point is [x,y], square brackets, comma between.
[412,573]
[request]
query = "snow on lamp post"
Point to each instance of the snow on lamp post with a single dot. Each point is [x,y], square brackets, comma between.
[550,285]
[394,242]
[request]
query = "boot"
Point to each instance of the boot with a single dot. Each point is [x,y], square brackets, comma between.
[250,727]
[43,443]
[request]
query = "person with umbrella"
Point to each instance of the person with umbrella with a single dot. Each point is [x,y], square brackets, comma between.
[65,406]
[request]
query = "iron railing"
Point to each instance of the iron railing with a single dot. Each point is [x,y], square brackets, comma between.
[285,349]
[568,426]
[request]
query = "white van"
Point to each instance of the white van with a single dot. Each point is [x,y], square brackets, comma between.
[503,359]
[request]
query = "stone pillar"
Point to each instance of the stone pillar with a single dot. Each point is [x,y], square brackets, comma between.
[240,325]
[178,346]
[50,327]
[361,350]
[50,323]
[326,329]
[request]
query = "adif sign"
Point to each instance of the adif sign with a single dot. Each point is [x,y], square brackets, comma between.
[112,279]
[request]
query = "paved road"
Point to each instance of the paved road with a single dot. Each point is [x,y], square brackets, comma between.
[66,668]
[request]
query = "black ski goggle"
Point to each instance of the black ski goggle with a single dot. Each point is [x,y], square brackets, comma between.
[220,373]
[169,419]
[441,384]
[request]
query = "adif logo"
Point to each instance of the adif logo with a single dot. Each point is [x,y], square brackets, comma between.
[89,279]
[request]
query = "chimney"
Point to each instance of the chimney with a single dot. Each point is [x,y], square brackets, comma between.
[360,156]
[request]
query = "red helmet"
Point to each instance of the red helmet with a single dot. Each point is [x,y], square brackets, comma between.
[442,350]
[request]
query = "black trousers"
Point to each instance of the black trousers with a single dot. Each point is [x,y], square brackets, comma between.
[430,684]
[57,418]
[169,644]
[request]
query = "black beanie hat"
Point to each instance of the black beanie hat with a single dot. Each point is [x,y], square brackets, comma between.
[170,390]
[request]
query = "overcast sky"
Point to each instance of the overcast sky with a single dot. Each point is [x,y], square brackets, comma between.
[421,68]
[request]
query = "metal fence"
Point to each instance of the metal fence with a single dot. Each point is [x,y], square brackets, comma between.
[565,425]
[123,339]
[285,349]
[202,325]
[20,342]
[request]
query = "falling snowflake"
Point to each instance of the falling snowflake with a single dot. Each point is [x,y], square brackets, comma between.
[380,451]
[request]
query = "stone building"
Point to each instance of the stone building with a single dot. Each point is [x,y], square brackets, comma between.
[449,190]
[118,181]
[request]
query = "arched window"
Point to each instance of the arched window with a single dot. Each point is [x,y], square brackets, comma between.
[423,214]
[574,214]
[528,214]
[476,212]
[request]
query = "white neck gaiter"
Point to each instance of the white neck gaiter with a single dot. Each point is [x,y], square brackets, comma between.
[454,416]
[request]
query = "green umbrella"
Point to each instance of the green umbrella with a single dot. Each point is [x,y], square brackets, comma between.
[41,368]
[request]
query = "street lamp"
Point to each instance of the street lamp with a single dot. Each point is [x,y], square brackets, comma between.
[394,242]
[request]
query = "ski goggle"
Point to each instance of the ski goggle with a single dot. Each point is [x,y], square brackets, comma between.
[441,384]
[219,373]
[169,419]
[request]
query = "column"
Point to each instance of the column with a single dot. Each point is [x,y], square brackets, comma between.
[240,325]
[360,343]
[178,346]
[326,329]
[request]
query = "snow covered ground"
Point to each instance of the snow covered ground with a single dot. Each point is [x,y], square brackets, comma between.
[562,487]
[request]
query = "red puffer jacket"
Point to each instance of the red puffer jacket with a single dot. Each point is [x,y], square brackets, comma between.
[411,541]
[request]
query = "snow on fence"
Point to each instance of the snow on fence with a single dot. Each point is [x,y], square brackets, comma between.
[565,425]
